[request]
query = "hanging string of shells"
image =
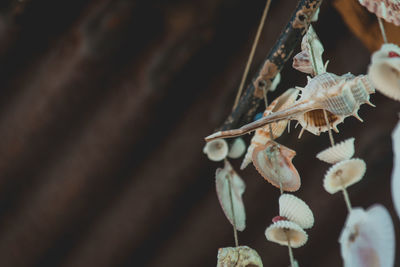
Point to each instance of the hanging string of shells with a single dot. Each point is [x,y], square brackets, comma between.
[367,238]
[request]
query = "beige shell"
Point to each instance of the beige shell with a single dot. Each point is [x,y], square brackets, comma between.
[384,70]
[368,238]
[339,152]
[238,257]
[263,135]
[216,150]
[237,148]
[339,96]
[274,162]
[282,232]
[344,174]
[389,10]
[296,210]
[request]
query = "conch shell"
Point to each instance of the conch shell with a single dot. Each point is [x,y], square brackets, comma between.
[389,10]
[384,70]
[274,162]
[339,96]
[263,135]
[238,256]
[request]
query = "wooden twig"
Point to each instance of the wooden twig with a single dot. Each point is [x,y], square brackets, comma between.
[276,59]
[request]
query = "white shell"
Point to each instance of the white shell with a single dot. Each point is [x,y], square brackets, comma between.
[275,82]
[344,174]
[216,150]
[296,210]
[223,178]
[282,231]
[389,10]
[315,16]
[237,148]
[368,238]
[384,70]
[339,152]
[396,168]
[238,256]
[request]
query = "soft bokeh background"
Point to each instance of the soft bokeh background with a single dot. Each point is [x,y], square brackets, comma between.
[103,108]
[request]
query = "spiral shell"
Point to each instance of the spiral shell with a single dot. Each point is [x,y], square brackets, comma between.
[396,168]
[237,148]
[344,174]
[368,238]
[263,135]
[216,150]
[296,210]
[389,10]
[238,256]
[274,162]
[384,70]
[339,152]
[282,232]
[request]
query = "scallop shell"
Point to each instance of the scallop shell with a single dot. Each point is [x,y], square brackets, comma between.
[339,152]
[344,174]
[237,148]
[368,238]
[274,162]
[262,135]
[396,168]
[384,70]
[389,10]
[283,231]
[223,179]
[296,210]
[238,256]
[339,96]
[216,150]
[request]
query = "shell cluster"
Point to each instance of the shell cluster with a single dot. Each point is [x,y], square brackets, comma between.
[238,256]
[389,10]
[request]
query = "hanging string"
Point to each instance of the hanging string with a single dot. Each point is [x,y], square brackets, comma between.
[233,212]
[382,30]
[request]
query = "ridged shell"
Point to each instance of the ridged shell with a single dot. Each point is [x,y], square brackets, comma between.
[216,150]
[282,231]
[262,135]
[238,256]
[237,148]
[223,178]
[389,10]
[396,168]
[368,238]
[384,70]
[339,152]
[274,162]
[344,174]
[296,210]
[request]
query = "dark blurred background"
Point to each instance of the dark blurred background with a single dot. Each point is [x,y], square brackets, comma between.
[103,109]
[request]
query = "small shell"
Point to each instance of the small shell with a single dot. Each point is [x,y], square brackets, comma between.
[238,256]
[315,16]
[262,135]
[237,148]
[339,152]
[283,231]
[389,10]
[275,82]
[384,70]
[223,179]
[396,168]
[368,238]
[216,150]
[344,174]
[296,210]
[274,162]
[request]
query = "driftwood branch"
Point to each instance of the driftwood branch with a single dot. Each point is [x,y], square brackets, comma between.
[276,59]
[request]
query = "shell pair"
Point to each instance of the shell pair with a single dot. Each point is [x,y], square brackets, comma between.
[384,70]
[294,216]
[218,150]
[238,256]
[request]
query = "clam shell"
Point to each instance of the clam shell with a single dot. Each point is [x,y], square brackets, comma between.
[339,152]
[389,10]
[282,231]
[368,238]
[237,148]
[274,162]
[223,178]
[384,70]
[262,135]
[238,256]
[216,150]
[296,210]
[344,174]
[396,168]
